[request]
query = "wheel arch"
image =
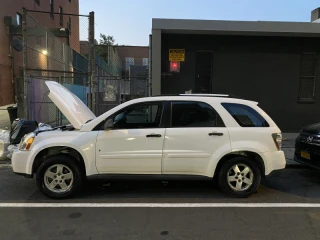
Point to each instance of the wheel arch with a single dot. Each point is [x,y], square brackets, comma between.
[249,154]
[58,150]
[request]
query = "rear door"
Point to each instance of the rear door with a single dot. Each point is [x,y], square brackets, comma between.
[194,135]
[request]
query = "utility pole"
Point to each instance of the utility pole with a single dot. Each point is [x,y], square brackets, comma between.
[91,63]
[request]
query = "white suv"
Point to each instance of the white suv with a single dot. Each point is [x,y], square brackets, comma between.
[168,137]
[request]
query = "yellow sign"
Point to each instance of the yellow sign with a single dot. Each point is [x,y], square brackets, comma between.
[176,55]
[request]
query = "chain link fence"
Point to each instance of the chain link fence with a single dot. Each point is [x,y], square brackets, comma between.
[65,53]
[113,91]
[53,53]
[127,78]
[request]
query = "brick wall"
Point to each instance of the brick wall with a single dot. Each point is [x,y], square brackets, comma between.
[16,6]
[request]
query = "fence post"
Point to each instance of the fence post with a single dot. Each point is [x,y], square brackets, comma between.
[25,79]
[59,112]
[91,62]
[150,65]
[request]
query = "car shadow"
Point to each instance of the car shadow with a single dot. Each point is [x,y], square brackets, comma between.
[300,182]
[289,185]
[149,190]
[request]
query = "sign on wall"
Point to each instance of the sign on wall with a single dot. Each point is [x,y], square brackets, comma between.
[176,55]
[109,93]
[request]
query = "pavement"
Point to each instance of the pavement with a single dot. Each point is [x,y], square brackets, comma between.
[286,206]
[4,118]
[288,148]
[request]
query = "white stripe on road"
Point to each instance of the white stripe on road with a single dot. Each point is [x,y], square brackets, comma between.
[160,205]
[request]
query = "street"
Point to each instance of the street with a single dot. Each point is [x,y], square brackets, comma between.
[43,221]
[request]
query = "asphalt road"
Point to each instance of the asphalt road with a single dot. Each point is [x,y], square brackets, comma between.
[290,186]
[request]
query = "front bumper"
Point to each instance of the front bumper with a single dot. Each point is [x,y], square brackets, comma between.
[20,163]
[306,162]
[312,149]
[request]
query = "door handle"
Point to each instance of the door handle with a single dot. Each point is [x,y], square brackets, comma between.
[215,134]
[153,135]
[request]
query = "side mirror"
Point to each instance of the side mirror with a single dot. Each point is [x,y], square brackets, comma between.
[108,124]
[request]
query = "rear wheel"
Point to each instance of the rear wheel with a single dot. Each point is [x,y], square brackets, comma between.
[239,177]
[59,177]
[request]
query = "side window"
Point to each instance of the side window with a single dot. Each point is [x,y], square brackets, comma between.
[245,115]
[139,115]
[194,114]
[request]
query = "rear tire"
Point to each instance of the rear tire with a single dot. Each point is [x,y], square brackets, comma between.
[239,177]
[59,177]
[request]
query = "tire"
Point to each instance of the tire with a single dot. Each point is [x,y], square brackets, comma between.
[230,181]
[64,182]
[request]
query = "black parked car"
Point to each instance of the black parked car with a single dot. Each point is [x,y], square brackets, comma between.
[307,147]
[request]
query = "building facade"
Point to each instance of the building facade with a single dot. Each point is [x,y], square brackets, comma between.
[133,56]
[49,20]
[273,63]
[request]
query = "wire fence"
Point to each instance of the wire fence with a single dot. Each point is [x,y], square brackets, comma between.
[64,51]
[53,53]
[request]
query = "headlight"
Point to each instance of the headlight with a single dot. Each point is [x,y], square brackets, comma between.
[26,142]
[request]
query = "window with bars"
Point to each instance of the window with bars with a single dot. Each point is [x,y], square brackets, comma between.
[19,19]
[61,16]
[307,81]
[69,25]
[51,9]
[145,61]
[129,62]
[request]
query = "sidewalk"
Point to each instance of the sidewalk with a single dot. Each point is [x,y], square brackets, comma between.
[4,124]
[4,118]
[288,148]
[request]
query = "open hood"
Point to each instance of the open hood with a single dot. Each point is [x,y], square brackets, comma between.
[69,104]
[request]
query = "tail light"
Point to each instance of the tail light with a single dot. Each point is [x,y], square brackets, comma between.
[277,138]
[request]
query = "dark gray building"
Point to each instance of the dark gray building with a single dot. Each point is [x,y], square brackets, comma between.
[273,63]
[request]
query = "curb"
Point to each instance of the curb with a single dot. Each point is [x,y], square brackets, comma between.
[296,166]
[5,162]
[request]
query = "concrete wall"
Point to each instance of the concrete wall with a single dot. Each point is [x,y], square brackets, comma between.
[263,69]
[16,6]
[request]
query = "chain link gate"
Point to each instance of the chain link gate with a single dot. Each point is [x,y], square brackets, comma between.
[114,91]
[101,83]
[50,55]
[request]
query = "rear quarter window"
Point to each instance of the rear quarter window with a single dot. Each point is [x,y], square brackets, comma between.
[245,116]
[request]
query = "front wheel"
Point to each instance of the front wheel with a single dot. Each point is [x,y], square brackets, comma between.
[59,177]
[239,177]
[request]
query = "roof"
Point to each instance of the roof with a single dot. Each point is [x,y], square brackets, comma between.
[193,97]
[259,28]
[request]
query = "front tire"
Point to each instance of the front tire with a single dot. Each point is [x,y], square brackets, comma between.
[239,177]
[59,177]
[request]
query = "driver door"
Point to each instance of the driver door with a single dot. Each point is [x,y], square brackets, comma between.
[134,144]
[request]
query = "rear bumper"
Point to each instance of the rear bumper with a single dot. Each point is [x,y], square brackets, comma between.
[274,161]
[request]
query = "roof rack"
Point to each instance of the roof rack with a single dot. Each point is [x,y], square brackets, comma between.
[198,95]
[204,95]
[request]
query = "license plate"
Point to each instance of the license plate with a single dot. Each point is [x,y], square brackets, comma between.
[305,155]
